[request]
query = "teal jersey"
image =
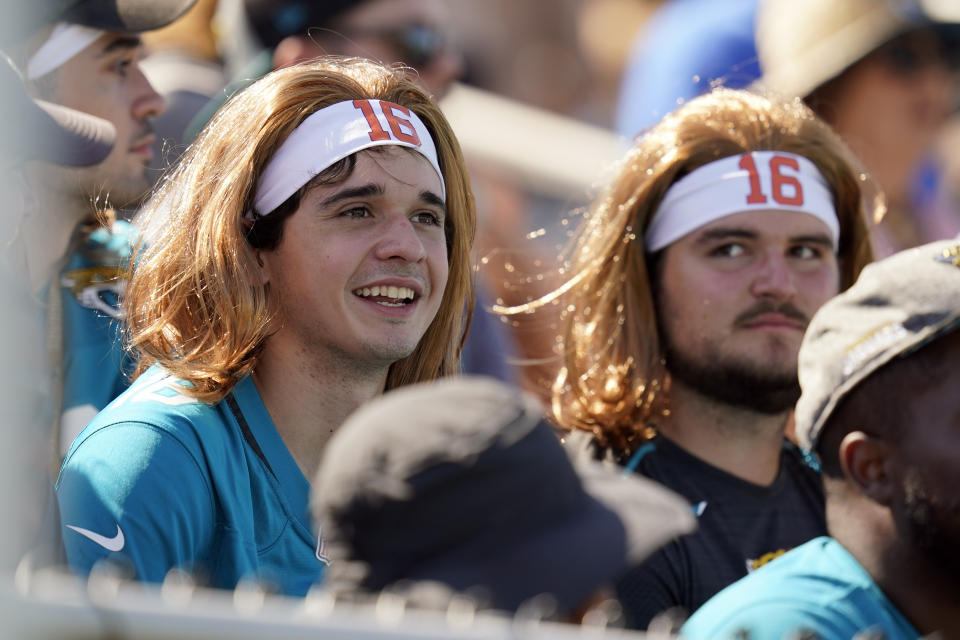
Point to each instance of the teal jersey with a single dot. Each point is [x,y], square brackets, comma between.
[160,481]
[818,587]
[95,366]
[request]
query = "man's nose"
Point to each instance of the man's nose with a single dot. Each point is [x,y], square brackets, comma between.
[400,240]
[147,103]
[774,278]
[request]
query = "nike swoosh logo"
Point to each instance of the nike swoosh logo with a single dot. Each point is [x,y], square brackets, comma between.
[110,544]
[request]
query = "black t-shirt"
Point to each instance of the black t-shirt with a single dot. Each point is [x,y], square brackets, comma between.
[741,527]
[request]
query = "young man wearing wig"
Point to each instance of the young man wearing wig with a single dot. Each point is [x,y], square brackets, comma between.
[697,271]
[310,252]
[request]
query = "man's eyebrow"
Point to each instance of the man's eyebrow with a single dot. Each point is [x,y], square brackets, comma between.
[368,190]
[429,197]
[121,43]
[812,238]
[724,233]
[727,233]
[365,191]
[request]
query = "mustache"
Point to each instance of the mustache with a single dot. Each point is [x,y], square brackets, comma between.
[144,129]
[768,306]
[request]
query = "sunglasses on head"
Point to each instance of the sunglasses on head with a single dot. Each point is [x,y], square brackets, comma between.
[417,44]
[918,50]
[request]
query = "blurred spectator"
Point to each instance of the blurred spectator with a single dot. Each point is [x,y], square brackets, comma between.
[31,131]
[879,406]
[484,497]
[290,31]
[85,55]
[684,49]
[691,284]
[885,76]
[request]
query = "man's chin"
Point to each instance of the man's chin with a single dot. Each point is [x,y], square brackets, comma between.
[746,384]
[128,195]
[767,346]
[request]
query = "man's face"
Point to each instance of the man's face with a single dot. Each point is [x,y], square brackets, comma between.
[105,80]
[733,300]
[362,265]
[927,463]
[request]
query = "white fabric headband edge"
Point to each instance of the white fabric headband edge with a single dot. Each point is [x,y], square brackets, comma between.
[65,41]
[333,133]
[725,187]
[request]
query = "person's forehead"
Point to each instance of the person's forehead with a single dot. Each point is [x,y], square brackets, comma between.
[112,41]
[403,164]
[772,224]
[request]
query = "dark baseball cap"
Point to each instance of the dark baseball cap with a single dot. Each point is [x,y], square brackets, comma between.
[896,306]
[118,15]
[462,482]
[38,130]
[23,17]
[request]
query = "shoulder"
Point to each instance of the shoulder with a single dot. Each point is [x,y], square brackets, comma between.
[109,244]
[802,470]
[156,403]
[800,459]
[96,270]
[152,439]
[798,591]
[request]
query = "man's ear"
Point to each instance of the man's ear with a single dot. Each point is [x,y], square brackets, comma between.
[263,268]
[867,464]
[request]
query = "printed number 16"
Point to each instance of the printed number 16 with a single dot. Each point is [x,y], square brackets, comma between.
[401,128]
[777,181]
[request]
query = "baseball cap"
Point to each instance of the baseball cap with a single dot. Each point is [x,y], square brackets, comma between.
[38,130]
[896,306]
[462,482]
[22,18]
[802,45]
[131,16]
[274,20]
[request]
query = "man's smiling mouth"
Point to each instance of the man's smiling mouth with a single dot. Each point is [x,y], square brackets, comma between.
[388,296]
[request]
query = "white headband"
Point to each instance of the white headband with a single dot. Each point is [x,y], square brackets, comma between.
[332,134]
[752,181]
[65,41]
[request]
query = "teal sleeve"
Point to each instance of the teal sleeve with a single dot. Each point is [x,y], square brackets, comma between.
[137,495]
[764,621]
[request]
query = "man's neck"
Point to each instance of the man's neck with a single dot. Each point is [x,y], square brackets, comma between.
[48,228]
[927,596]
[741,442]
[926,593]
[308,401]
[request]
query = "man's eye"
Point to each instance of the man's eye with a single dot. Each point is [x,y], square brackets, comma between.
[805,252]
[355,212]
[426,217]
[731,250]
[122,66]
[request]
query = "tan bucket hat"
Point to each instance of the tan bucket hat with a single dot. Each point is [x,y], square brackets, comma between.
[804,43]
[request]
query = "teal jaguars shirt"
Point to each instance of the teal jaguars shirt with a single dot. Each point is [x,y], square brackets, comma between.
[816,587]
[160,481]
[95,367]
